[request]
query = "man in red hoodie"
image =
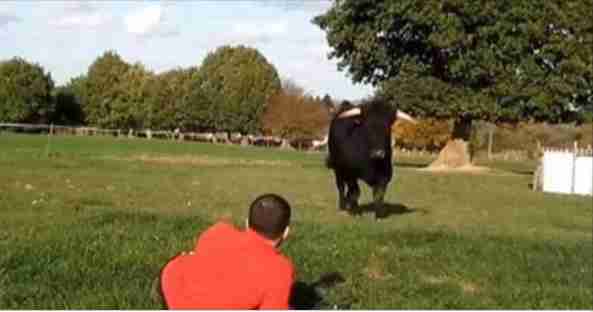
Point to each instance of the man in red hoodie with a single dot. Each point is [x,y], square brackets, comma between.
[232,269]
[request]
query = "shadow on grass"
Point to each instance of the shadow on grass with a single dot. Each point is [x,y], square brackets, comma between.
[522,172]
[415,165]
[390,209]
[306,296]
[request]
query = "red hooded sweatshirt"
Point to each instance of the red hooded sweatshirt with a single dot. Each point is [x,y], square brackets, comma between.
[229,269]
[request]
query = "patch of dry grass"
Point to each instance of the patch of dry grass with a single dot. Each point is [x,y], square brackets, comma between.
[468,287]
[204,160]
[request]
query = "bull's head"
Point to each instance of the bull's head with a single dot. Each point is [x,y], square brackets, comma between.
[378,118]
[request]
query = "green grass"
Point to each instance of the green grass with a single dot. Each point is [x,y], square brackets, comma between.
[88,223]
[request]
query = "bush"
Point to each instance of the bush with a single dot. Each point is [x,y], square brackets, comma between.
[427,134]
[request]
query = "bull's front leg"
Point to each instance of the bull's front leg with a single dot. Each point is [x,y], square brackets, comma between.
[378,199]
[352,198]
[341,185]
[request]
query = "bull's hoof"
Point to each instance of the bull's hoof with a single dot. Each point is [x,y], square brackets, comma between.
[356,212]
[343,212]
[380,214]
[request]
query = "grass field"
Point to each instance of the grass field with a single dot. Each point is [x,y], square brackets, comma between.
[86,223]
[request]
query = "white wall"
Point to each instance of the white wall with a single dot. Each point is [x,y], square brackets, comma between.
[583,177]
[567,174]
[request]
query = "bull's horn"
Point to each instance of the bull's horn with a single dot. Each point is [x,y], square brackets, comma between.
[405,116]
[350,113]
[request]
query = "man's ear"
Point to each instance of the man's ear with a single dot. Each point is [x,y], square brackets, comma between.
[246,223]
[286,231]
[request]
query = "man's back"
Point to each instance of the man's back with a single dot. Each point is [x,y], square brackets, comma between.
[230,269]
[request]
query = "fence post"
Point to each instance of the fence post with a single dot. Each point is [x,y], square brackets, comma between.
[574,166]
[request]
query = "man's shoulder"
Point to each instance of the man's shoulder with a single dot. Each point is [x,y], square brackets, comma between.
[216,233]
[223,226]
[283,264]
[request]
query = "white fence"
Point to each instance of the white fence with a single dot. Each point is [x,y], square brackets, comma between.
[211,137]
[568,172]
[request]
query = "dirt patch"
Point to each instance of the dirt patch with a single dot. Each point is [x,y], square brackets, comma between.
[375,269]
[462,169]
[203,160]
[466,286]
[434,280]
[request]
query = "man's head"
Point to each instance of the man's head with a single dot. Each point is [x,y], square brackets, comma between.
[269,215]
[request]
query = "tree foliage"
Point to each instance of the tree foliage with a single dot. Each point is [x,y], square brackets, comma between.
[293,114]
[104,97]
[175,101]
[429,134]
[25,92]
[68,108]
[490,60]
[130,109]
[239,82]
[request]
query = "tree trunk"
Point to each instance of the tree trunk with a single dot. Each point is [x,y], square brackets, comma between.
[457,151]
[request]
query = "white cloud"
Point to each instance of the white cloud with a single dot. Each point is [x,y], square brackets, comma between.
[6,18]
[79,7]
[281,31]
[258,32]
[298,5]
[80,14]
[86,21]
[7,14]
[317,52]
[149,21]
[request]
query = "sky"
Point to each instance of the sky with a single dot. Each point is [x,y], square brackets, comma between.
[65,37]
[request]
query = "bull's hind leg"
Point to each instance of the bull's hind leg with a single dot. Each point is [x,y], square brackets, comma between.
[352,197]
[378,199]
[341,185]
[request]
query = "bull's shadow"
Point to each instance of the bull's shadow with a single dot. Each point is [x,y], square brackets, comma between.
[389,209]
[309,296]
[413,165]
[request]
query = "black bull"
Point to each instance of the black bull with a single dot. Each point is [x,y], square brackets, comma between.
[360,148]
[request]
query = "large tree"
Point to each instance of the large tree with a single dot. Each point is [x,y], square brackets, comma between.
[494,60]
[25,92]
[175,100]
[238,81]
[129,109]
[103,91]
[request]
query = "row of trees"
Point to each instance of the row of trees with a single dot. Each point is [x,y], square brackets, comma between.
[234,89]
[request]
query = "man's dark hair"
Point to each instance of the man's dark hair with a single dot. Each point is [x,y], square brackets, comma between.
[269,215]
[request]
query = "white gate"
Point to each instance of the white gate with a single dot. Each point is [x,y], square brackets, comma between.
[568,172]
